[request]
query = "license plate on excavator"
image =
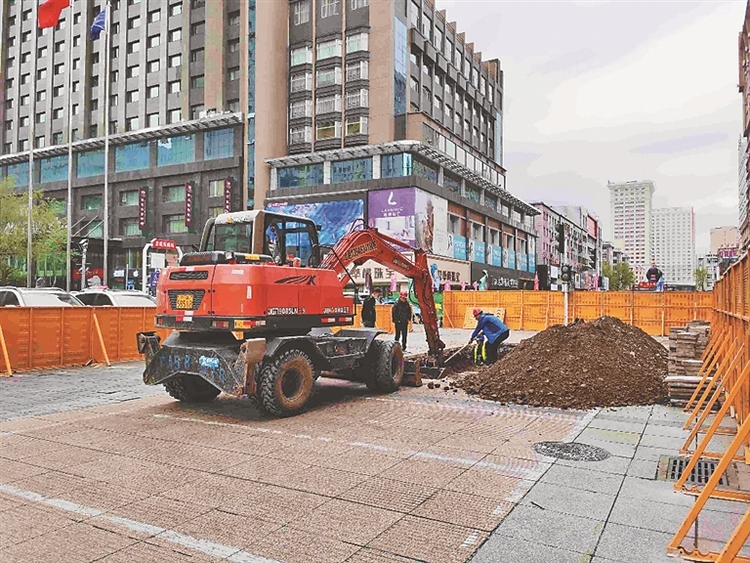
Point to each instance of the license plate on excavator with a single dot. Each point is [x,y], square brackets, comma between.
[184,301]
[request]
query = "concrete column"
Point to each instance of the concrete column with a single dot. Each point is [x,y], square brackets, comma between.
[376,167]
[274,182]
[327,172]
[463,187]
[441,176]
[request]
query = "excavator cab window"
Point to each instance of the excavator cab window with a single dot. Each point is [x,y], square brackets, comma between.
[287,239]
[234,237]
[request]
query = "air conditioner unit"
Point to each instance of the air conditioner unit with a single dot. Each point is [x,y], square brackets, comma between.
[202,114]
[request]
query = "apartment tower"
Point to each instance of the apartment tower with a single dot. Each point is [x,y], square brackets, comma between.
[630,211]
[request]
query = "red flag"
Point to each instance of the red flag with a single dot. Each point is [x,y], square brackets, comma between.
[49,12]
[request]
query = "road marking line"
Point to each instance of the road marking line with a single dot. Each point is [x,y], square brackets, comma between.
[204,546]
[520,469]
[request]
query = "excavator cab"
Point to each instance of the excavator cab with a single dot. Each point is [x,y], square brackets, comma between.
[282,237]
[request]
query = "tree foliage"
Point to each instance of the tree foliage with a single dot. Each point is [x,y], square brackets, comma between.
[701,279]
[48,236]
[621,276]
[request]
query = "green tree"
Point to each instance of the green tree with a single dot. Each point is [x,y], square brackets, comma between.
[701,279]
[621,277]
[48,236]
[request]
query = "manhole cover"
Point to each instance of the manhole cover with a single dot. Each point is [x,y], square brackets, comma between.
[672,468]
[571,451]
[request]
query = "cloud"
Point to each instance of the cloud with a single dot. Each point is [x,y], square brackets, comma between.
[704,164]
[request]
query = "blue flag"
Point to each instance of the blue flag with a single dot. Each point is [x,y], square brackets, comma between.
[99,24]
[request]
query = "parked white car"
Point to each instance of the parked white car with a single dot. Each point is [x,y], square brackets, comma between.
[37,297]
[115,298]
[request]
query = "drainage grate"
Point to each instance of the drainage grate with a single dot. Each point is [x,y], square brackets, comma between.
[671,469]
[571,451]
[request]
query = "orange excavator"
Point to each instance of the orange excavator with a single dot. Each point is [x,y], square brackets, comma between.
[252,312]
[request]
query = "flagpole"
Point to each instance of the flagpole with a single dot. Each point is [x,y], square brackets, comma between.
[32,122]
[105,275]
[69,205]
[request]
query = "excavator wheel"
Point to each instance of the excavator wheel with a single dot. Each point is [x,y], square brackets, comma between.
[191,389]
[385,361]
[285,383]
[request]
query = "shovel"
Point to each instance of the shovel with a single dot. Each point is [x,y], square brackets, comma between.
[446,362]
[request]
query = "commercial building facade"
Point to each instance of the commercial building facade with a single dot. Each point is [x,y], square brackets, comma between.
[630,211]
[612,255]
[725,241]
[673,244]
[744,145]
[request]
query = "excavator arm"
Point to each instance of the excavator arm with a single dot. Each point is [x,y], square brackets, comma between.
[367,243]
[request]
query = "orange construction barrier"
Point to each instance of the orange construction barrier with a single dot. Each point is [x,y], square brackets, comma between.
[653,312]
[727,363]
[49,337]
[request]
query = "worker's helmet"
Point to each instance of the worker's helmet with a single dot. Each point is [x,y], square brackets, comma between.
[404,294]
[476,312]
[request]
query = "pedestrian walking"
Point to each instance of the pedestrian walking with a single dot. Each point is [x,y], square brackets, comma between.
[368,308]
[494,331]
[401,315]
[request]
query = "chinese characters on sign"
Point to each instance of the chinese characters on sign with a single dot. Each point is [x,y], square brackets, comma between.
[163,244]
[189,204]
[227,195]
[142,199]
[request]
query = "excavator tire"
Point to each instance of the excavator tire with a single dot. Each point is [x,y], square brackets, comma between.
[285,383]
[385,359]
[191,389]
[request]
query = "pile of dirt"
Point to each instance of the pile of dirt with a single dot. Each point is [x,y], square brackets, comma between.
[603,363]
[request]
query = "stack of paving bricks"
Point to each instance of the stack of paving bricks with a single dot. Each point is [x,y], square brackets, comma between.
[686,346]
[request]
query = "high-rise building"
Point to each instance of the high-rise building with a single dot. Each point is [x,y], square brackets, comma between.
[710,263]
[673,244]
[725,241]
[744,171]
[233,104]
[630,211]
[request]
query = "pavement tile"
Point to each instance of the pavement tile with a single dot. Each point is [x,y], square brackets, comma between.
[347,521]
[193,457]
[214,491]
[486,483]
[295,546]
[606,424]
[21,424]
[613,464]
[504,549]
[264,469]
[226,528]
[566,500]
[361,460]
[63,457]
[51,483]
[20,447]
[625,544]
[470,511]
[663,442]
[148,553]
[75,543]
[606,435]
[103,496]
[613,448]
[11,471]
[309,451]
[8,502]
[643,468]
[654,491]
[475,443]
[367,555]
[627,413]
[518,448]
[51,431]
[649,453]
[25,522]
[666,431]
[322,481]
[584,479]
[389,494]
[552,529]
[428,540]
[421,471]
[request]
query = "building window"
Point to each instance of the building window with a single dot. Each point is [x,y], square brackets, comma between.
[173,194]
[175,35]
[301,55]
[133,71]
[355,170]
[301,82]
[154,16]
[129,227]
[41,95]
[328,104]
[357,71]
[234,18]
[233,105]
[57,113]
[197,81]
[57,138]
[40,142]
[175,61]
[300,176]
[357,42]
[41,74]
[91,202]
[357,4]
[134,23]
[356,126]
[133,47]
[153,66]
[133,96]
[301,108]
[174,224]
[329,8]
[328,130]
[41,117]
[234,73]
[196,111]
[175,115]
[174,87]
[23,121]
[131,124]
[175,9]
[300,134]
[197,55]
[216,211]
[356,99]
[198,28]
[216,188]
[129,198]
[154,41]
[152,92]
[328,49]
[301,11]
[328,76]
[218,143]
[233,46]
[153,120]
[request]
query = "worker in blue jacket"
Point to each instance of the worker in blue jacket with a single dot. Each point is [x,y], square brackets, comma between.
[495,332]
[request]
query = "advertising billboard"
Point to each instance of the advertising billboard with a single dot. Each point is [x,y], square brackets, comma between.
[410,215]
[336,218]
[477,251]
[457,246]
[496,255]
[511,260]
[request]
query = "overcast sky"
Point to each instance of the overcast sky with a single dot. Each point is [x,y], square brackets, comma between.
[621,90]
